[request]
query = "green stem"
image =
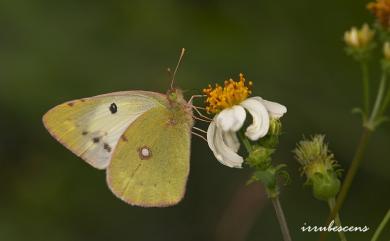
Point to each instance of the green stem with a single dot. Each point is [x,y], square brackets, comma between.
[332,203]
[368,128]
[378,102]
[246,142]
[273,194]
[386,102]
[281,218]
[366,87]
[381,226]
[359,154]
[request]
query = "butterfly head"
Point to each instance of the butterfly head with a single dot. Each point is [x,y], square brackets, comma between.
[175,95]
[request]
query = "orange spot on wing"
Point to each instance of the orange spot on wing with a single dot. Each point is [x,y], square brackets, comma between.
[123,137]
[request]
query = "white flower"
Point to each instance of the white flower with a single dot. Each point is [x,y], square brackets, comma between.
[221,134]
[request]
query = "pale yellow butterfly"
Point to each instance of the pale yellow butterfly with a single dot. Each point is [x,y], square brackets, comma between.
[141,138]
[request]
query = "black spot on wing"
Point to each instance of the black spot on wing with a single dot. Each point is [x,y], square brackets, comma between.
[96,139]
[84,133]
[113,108]
[107,147]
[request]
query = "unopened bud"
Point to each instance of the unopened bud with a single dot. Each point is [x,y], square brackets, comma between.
[359,38]
[319,166]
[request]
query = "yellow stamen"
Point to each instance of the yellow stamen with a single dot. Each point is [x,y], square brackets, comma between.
[232,93]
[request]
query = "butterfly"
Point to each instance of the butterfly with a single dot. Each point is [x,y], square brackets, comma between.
[142,139]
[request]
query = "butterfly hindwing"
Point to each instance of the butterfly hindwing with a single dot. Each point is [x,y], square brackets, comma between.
[91,127]
[150,164]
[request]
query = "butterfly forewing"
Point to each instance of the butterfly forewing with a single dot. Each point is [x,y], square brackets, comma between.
[91,127]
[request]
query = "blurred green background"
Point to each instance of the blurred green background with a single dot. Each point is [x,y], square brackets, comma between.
[54,51]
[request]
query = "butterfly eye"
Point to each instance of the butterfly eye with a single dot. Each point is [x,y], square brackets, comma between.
[113,108]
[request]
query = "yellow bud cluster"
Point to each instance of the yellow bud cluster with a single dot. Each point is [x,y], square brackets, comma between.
[359,38]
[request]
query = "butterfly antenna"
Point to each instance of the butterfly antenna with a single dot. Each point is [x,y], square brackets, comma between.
[177,67]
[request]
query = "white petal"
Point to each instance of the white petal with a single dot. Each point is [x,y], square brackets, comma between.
[275,110]
[260,125]
[211,135]
[221,150]
[225,119]
[231,119]
[231,140]
[240,115]
[229,157]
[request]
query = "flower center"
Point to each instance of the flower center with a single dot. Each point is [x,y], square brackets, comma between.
[232,93]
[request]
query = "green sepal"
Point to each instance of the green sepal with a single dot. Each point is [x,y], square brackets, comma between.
[267,177]
[260,157]
[286,177]
[361,54]
[325,185]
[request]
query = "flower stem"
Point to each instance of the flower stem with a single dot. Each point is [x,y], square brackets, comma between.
[381,226]
[378,102]
[359,154]
[368,128]
[281,218]
[246,142]
[273,194]
[386,102]
[332,203]
[366,86]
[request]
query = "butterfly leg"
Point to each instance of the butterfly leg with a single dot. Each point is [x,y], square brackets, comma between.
[200,114]
[195,96]
[198,129]
[196,108]
[200,119]
[199,135]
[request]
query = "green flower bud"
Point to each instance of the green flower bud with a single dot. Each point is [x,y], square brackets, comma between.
[325,186]
[319,166]
[260,157]
[275,127]
[271,140]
